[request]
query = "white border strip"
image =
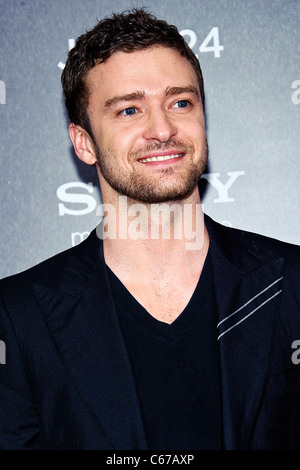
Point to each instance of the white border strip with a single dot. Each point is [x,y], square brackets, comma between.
[253,298]
[261,305]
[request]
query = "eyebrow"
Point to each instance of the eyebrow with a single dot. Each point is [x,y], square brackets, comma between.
[136,95]
[178,90]
[140,95]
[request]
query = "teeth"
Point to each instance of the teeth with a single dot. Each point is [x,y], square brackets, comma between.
[160,158]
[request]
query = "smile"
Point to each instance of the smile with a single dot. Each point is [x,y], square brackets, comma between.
[160,158]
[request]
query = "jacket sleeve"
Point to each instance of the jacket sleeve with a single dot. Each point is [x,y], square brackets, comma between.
[19,418]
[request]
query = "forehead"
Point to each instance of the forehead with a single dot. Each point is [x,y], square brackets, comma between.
[149,70]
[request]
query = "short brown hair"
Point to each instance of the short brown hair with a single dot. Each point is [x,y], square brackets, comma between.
[127,31]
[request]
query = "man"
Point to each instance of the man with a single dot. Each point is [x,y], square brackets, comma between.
[140,338]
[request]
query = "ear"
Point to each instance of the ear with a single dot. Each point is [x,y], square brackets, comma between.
[82,143]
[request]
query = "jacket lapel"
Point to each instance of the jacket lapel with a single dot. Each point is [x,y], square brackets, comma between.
[82,321]
[248,292]
[84,326]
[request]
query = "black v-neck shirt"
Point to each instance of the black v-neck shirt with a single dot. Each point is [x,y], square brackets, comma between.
[175,368]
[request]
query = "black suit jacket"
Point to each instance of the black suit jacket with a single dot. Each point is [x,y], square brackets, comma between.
[67,382]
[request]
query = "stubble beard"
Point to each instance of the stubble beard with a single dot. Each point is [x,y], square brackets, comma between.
[137,186]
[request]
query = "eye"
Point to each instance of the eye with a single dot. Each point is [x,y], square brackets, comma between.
[128,111]
[182,104]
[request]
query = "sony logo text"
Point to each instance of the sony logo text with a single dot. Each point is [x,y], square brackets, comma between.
[88,201]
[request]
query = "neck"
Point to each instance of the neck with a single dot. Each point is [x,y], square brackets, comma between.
[154,235]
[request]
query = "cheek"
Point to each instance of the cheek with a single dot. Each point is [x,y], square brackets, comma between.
[199,133]
[125,141]
[194,132]
[120,146]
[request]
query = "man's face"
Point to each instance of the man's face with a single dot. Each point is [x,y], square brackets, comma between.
[148,124]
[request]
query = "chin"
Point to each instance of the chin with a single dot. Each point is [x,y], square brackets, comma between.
[156,197]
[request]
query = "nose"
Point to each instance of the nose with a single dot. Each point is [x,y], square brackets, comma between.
[160,126]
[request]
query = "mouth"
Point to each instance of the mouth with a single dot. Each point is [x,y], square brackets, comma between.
[161,157]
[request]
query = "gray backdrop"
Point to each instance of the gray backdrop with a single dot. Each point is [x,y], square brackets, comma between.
[249,53]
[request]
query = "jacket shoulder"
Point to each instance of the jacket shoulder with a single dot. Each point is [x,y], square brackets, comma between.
[49,271]
[234,241]
[264,244]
